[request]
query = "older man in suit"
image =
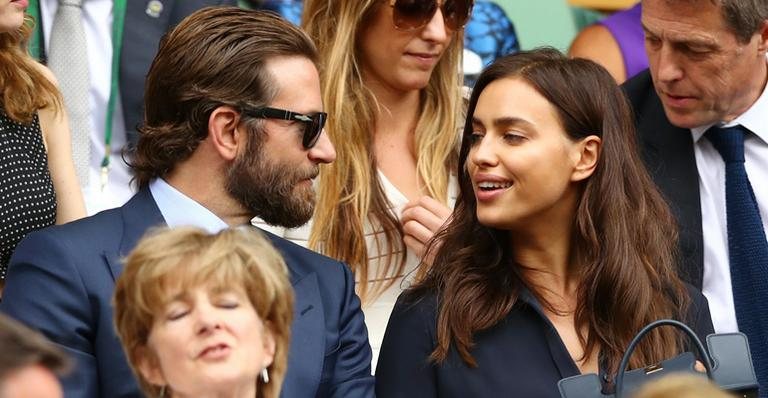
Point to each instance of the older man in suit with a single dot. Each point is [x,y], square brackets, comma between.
[702,116]
[233,129]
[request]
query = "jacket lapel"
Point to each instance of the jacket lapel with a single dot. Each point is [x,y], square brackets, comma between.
[139,215]
[669,155]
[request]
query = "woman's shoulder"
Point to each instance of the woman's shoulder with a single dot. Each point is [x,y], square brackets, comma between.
[47,73]
[416,307]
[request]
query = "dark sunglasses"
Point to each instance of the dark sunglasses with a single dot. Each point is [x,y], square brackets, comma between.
[313,124]
[415,14]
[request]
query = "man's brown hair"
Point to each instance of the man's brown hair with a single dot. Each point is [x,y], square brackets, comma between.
[214,57]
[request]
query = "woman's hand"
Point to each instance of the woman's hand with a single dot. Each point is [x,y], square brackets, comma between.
[421,219]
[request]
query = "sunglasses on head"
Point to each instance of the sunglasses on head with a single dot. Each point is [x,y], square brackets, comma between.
[415,14]
[313,124]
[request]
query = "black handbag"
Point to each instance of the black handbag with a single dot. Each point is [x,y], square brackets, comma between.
[728,364]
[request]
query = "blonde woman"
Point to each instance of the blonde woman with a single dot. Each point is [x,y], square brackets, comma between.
[38,186]
[205,315]
[392,87]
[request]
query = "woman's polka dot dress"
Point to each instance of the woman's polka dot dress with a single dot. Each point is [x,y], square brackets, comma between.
[27,198]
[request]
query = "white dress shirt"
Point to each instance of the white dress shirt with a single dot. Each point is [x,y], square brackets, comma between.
[97,21]
[180,210]
[711,167]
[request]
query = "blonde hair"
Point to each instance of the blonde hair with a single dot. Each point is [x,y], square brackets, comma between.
[349,191]
[25,89]
[681,386]
[192,257]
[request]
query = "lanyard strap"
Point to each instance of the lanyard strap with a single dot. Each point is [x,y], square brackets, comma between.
[33,10]
[118,25]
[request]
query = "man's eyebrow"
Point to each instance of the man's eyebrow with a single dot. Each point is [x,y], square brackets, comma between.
[688,39]
[646,30]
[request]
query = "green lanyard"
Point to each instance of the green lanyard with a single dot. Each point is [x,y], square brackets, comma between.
[118,24]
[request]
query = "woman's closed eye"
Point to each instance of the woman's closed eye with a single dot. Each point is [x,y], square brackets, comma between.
[228,304]
[176,312]
[227,300]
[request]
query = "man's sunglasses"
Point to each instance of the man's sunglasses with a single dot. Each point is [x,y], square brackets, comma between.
[415,14]
[313,124]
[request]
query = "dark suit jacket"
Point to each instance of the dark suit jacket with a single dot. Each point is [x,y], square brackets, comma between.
[668,154]
[521,356]
[61,280]
[141,37]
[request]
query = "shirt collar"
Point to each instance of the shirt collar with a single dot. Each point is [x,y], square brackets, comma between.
[753,119]
[181,210]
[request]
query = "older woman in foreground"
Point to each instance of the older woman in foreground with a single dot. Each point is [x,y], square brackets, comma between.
[205,315]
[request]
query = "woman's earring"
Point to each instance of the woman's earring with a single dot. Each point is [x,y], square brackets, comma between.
[265,376]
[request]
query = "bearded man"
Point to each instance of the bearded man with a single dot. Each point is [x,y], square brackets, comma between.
[233,130]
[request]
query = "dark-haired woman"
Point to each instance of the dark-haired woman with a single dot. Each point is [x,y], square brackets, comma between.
[560,248]
[38,186]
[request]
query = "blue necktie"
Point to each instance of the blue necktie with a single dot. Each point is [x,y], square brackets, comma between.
[747,248]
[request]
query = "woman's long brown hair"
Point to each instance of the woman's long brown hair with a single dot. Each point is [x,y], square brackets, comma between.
[24,88]
[624,235]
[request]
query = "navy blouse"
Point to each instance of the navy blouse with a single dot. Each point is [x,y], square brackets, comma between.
[521,356]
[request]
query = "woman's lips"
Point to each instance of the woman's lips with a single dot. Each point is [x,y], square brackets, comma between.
[215,352]
[483,195]
[424,59]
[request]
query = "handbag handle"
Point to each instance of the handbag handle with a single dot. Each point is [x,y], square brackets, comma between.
[662,322]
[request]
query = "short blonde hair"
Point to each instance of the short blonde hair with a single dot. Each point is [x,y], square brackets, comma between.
[681,386]
[191,257]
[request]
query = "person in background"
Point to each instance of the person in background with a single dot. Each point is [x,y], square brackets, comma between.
[489,33]
[205,315]
[100,52]
[392,82]
[29,363]
[560,248]
[681,386]
[702,119]
[616,42]
[38,186]
[233,129]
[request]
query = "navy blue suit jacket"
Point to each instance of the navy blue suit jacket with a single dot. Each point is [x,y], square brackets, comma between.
[61,281]
[668,154]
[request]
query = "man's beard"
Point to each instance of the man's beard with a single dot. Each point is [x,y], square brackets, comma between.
[267,188]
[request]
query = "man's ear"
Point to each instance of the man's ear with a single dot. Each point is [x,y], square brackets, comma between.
[225,131]
[149,367]
[762,45]
[586,155]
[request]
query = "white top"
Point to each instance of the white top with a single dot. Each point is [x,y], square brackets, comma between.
[376,312]
[711,167]
[97,21]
